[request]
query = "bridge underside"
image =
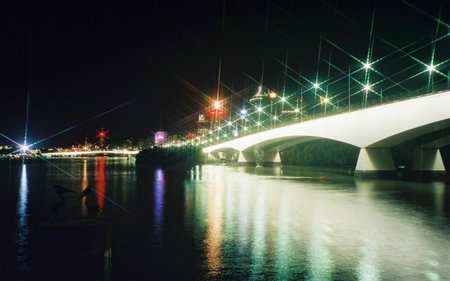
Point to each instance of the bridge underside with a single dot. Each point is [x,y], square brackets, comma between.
[373,162]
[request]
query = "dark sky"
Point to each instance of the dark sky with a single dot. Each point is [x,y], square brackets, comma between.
[159,59]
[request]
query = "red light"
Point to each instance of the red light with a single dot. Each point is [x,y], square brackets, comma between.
[102,134]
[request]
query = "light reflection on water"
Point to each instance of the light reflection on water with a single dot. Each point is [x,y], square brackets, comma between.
[159,201]
[22,220]
[243,223]
[286,227]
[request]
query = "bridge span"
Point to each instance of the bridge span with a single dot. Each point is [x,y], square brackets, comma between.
[90,153]
[374,130]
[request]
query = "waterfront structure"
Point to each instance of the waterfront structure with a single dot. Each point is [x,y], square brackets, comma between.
[118,152]
[374,130]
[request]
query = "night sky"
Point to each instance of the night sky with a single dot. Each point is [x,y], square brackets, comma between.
[158,61]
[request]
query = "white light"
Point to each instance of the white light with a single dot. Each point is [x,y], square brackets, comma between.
[367,87]
[283,99]
[217,105]
[258,124]
[243,112]
[316,85]
[245,128]
[219,128]
[431,68]
[297,110]
[275,118]
[326,100]
[24,147]
[230,123]
[259,109]
[367,65]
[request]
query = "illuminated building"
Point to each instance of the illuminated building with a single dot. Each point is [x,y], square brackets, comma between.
[160,138]
[202,125]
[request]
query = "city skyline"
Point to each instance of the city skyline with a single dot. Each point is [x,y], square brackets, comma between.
[135,68]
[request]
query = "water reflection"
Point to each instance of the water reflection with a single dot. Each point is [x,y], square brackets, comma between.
[259,247]
[320,265]
[273,225]
[159,190]
[84,184]
[22,220]
[101,182]
[214,220]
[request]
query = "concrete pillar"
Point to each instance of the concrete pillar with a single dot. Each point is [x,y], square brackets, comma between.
[246,157]
[427,164]
[272,158]
[213,156]
[375,163]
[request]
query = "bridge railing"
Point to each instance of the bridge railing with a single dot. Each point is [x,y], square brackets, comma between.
[337,108]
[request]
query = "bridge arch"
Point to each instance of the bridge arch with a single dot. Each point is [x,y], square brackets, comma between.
[375,130]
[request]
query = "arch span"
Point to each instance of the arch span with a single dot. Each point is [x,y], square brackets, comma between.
[375,130]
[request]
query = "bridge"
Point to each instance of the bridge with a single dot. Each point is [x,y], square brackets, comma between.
[374,130]
[91,153]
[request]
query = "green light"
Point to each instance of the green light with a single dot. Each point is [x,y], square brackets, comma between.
[316,85]
[283,99]
[259,109]
[431,68]
[258,124]
[367,87]
[367,65]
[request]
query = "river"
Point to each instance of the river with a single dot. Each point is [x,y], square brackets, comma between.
[234,223]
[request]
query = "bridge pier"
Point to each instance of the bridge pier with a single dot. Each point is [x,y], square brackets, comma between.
[246,157]
[427,165]
[375,163]
[264,157]
[271,158]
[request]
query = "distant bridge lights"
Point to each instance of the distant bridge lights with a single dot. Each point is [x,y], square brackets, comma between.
[24,148]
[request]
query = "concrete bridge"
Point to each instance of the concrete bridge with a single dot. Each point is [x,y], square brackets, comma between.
[374,130]
[91,153]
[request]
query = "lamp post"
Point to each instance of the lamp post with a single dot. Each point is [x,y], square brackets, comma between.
[272,96]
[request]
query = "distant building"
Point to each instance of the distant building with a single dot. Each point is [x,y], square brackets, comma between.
[202,125]
[160,138]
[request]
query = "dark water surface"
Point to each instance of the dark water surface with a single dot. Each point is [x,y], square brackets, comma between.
[235,223]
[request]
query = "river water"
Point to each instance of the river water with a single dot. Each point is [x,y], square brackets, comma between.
[235,223]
